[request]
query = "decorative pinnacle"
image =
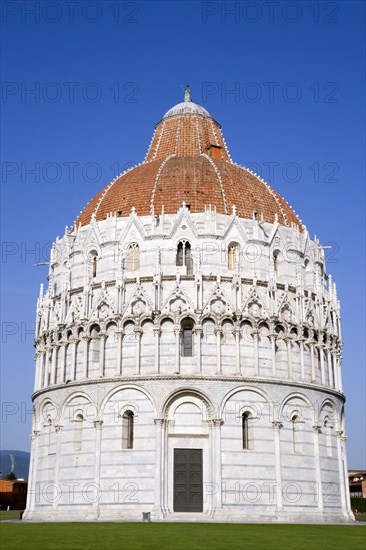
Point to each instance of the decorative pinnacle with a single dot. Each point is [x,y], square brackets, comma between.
[187,93]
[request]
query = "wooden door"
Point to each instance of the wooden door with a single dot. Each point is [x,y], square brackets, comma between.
[188,486]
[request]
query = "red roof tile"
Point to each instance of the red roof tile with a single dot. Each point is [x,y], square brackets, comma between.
[188,161]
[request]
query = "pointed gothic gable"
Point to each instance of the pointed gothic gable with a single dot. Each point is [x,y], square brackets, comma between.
[75,309]
[133,231]
[254,305]
[306,249]
[327,323]
[234,231]
[104,305]
[56,315]
[286,309]
[184,218]
[139,304]
[311,317]
[178,302]
[218,304]
[93,238]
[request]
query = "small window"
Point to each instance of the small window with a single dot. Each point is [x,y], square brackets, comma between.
[184,256]
[127,430]
[245,430]
[295,420]
[275,261]
[133,257]
[328,436]
[93,258]
[78,432]
[48,427]
[187,338]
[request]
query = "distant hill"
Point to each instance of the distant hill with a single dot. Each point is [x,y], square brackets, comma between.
[21,459]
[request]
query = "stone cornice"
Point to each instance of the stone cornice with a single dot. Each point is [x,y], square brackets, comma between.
[240,380]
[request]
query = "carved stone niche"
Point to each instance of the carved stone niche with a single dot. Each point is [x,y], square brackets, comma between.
[286,314]
[103,310]
[177,305]
[138,307]
[310,320]
[218,307]
[255,309]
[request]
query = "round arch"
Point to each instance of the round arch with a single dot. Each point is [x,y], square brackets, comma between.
[181,392]
[238,389]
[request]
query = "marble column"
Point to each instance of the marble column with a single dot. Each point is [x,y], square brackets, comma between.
[63,361]
[32,482]
[345,474]
[120,334]
[237,351]
[272,338]
[138,336]
[42,369]
[102,342]
[277,448]
[46,367]
[177,348]
[86,340]
[340,454]
[98,425]
[73,344]
[54,368]
[216,424]
[318,477]
[157,332]
[330,373]
[256,353]
[338,367]
[160,424]
[301,344]
[198,332]
[57,490]
[334,368]
[289,358]
[218,333]
[320,348]
[311,348]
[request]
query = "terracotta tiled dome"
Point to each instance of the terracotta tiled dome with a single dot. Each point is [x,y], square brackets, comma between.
[188,161]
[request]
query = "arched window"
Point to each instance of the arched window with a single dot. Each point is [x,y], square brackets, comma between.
[295,421]
[245,419]
[275,261]
[78,432]
[184,256]
[231,255]
[133,257]
[328,436]
[187,338]
[48,426]
[127,430]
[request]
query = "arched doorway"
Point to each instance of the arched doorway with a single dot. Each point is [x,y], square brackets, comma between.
[188,464]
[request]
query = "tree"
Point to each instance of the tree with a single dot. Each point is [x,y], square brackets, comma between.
[10,476]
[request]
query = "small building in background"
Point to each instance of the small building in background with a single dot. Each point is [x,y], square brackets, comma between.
[357,483]
[13,494]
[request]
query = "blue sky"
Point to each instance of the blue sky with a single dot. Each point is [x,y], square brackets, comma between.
[82,90]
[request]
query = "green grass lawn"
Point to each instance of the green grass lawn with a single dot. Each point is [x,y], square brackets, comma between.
[179,536]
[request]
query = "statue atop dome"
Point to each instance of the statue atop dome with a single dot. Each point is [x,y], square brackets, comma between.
[187,93]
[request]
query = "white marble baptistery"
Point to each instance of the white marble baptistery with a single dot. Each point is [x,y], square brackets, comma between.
[188,350]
